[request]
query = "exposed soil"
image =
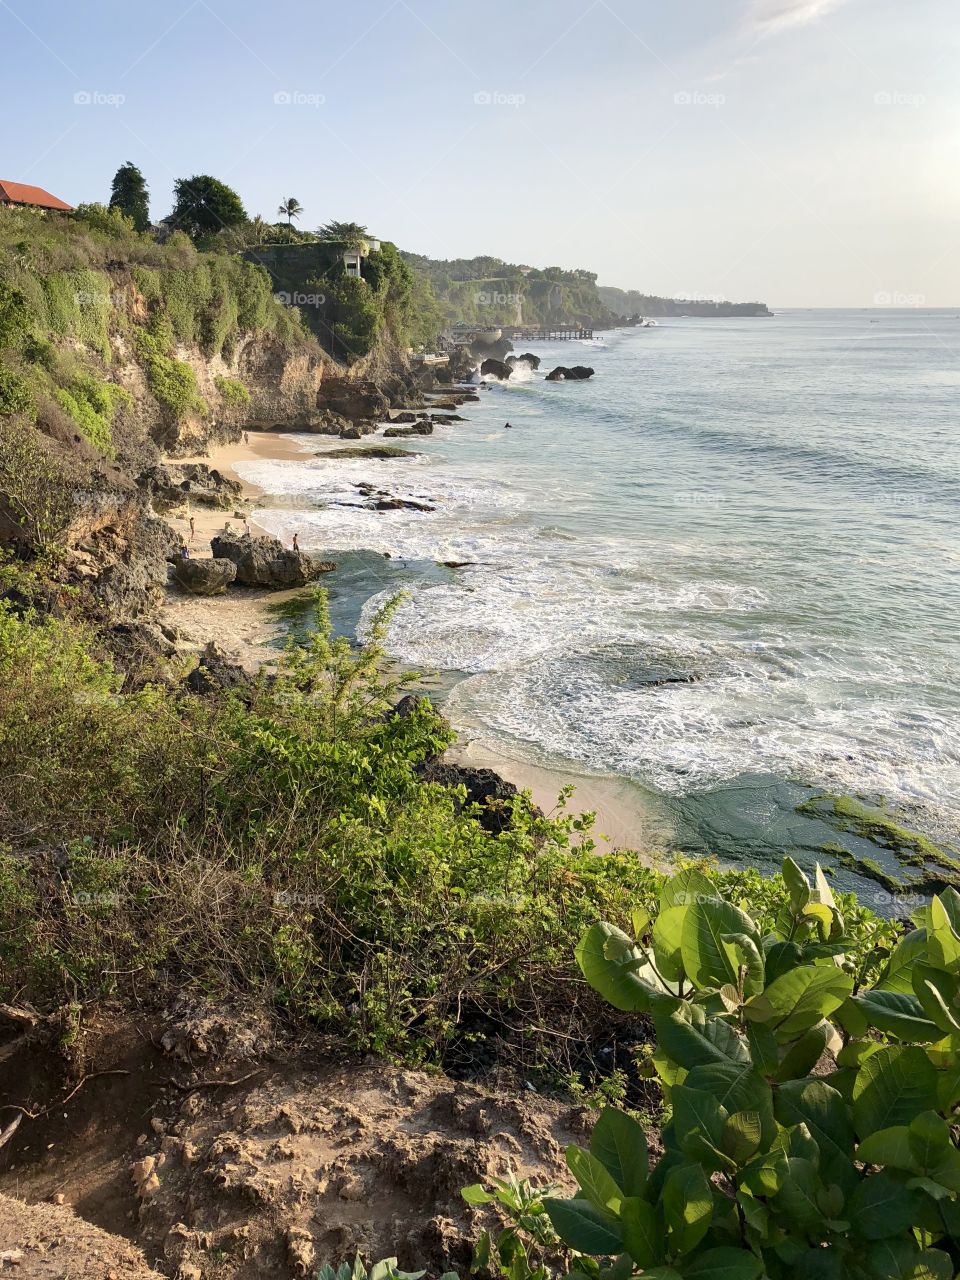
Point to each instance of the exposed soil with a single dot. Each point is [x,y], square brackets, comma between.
[225,1155]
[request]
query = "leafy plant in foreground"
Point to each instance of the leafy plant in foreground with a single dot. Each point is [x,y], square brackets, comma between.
[814,1101]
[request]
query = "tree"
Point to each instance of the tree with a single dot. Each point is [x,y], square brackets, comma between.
[129,194]
[204,205]
[351,234]
[290,208]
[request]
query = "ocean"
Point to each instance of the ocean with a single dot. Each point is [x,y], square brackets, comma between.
[727,567]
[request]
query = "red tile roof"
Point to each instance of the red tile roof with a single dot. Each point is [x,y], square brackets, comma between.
[20,193]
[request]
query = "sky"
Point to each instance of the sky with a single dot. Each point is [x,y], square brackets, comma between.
[801,152]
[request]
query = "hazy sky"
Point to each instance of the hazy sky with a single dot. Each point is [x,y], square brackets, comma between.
[806,152]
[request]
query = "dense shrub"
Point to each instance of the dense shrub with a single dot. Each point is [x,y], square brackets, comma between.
[234,394]
[812,1098]
[173,382]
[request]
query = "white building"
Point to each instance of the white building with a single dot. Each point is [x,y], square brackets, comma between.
[354,257]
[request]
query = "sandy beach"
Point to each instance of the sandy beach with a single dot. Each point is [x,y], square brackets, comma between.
[241,624]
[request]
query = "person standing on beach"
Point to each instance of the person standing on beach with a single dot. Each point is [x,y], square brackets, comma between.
[193,529]
[296,542]
[246,438]
[246,527]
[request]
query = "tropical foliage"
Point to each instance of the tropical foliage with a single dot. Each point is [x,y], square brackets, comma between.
[813,1097]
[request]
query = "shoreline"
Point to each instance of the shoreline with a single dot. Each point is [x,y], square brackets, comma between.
[241,626]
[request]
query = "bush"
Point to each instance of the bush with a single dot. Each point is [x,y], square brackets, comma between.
[812,1097]
[93,405]
[15,394]
[36,486]
[173,382]
[235,395]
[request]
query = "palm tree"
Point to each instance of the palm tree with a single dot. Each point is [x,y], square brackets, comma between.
[290,208]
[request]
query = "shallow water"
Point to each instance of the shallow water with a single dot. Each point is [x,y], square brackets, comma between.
[733,554]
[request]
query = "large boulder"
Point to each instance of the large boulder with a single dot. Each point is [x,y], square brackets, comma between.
[170,484]
[561,373]
[484,787]
[527,358]
[205,577]
[418,429]
[216,672]
[266,562]
[496,369]
[353,398]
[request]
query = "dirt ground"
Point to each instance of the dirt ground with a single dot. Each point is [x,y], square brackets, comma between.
[223,1154]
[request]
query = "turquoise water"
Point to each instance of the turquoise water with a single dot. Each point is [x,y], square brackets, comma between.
[727,567]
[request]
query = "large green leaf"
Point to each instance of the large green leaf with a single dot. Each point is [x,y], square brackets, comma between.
[594,1180]
[584,1227]
[687,1207]
[642,1233]
[896,975]
[798,886]
[723,1264]
[737,1088]
[799,999]
[616,968]
[691,1038]
[881,1206]
[943,943]
[826,1116]
[741,1137]
[892,1087]
[803,1055]
[897,1014]
[695,1111]
[707,959]
[797,1197]
[667,935]
[686,888]
[620,1144]
[939,996]
[749,956]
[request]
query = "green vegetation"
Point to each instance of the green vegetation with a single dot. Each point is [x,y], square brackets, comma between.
[290,208]
[234,394]
[282,844]
[92,405]
[129,195]
[173,382]
[627,303]
[203,206]
[490,291]
[813,1101]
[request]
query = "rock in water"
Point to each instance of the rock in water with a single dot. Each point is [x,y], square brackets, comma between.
[496,369]
[561,373]
[266,562]
[527,358]
[205,577]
